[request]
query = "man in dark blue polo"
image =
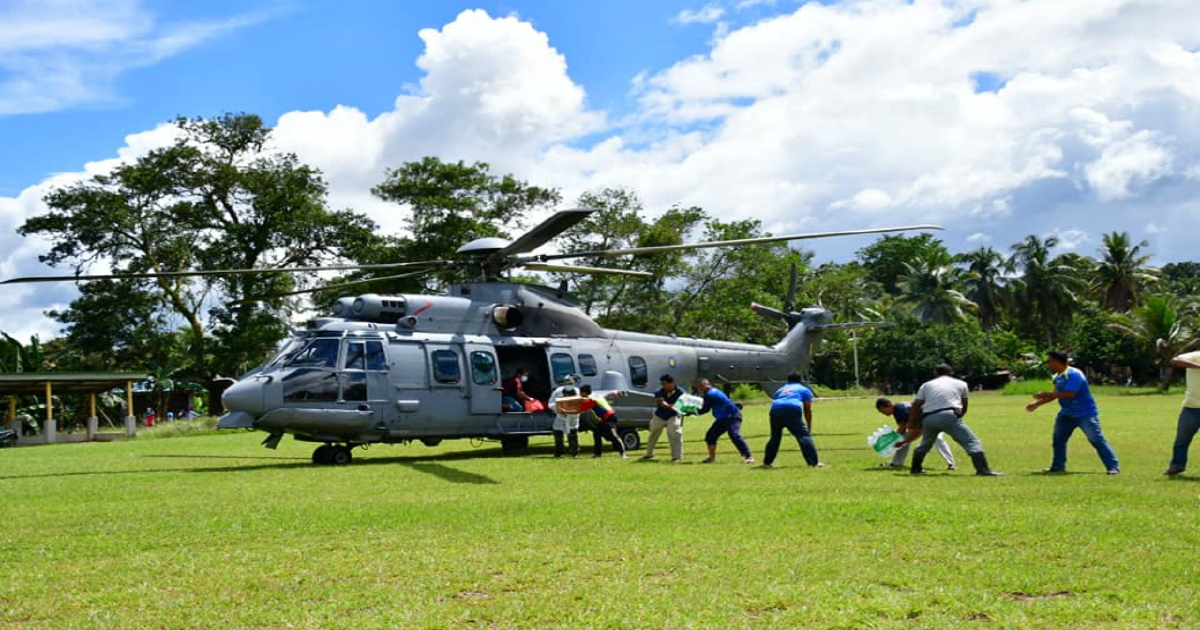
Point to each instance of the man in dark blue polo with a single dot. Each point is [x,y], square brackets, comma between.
[727,418]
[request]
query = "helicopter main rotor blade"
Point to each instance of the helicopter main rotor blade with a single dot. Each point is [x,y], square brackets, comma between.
[541,234]
[220,272]
[536,266]
[331,287]
[605,253]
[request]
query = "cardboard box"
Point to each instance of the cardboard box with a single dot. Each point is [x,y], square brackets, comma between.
[569,404]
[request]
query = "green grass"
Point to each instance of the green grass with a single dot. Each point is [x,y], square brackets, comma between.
[214,531]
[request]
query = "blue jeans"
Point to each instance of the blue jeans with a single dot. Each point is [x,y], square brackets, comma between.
[791,419]
[734,427]
[1065,425]
[1189,423]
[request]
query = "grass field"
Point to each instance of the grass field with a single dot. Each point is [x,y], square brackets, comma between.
[215,531]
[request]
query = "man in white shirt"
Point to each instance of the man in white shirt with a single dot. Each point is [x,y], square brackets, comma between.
[1189,415]
[939,408]
[565,423]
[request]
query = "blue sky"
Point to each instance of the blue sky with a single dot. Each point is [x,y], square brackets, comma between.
[993,118]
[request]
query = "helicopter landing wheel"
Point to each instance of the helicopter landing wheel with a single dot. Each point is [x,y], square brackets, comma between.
[631,438]
[320,455]
[340,455]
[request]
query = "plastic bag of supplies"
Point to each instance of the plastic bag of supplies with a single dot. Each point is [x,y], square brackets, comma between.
[883,441]
[688,403]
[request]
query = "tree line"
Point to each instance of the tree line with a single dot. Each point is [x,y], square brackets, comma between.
[220,198]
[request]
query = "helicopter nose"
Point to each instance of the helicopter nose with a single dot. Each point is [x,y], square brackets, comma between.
[245,396]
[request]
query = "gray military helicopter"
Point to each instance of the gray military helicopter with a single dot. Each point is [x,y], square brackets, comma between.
[415,367]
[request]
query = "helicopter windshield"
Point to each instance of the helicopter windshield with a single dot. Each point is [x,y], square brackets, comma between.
[321,352]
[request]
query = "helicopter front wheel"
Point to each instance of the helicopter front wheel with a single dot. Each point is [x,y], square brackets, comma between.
[332,454]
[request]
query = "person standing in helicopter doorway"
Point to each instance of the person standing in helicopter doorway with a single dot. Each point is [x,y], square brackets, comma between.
[565,423]
[727,418]
[666,417]
[605,426]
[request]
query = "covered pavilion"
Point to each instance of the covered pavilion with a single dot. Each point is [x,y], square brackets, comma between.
[47,385]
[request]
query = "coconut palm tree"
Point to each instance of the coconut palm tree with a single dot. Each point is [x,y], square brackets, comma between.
[1122,272]
[932,290]
[1047,291]
[1166,326]
[985,283]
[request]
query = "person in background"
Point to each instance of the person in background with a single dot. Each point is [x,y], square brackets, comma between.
[1077,410]
[792,410]
[666,417]
[900,412]
[565,423]
[514,390]
[1189,415]
[605,426]
[727,418]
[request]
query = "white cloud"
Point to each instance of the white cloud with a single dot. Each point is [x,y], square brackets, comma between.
[846,115]
[707,14]
[1071,239]
[56,54]
[1152,228]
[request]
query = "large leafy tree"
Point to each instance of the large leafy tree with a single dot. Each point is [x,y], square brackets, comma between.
[1122,272]
[618,223]
[450,204]
[885,259]
[905,355]
[932,290]
[216,198]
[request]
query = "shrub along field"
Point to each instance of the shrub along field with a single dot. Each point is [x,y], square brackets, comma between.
[214,531]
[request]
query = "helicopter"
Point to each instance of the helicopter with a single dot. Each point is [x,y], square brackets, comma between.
[427,368]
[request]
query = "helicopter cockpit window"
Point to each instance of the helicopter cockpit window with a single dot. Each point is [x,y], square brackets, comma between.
[562,365]
[318,353]
[638,374]
[587,365]
[483,368]
[309,384]
[445,366]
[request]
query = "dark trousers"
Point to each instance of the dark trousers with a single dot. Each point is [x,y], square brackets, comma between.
[791,419]
[732,426]
[572,442]
[606,430]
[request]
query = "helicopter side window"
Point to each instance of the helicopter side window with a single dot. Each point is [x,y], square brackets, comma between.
[376,358]
[483,368]
[445,366]
[355,356]
[319,353]
[587,365]
[354,385]
[638,373]
[562,365]
[310,384]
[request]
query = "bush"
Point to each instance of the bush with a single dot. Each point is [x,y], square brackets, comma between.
[204,425]
[748,392]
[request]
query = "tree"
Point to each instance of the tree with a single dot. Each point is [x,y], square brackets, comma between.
[451,204]
[984,281]
[905,354]
[885,258]
[217,198]
[1122,272]
[1097,345]
[930,288]
[1163,329]
[1182,278]
[1047,289]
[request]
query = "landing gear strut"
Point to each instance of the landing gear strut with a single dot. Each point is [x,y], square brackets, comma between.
[332,455]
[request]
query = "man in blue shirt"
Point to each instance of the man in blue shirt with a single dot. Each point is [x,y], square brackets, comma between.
[792,410]
[727,417]
[1077,409]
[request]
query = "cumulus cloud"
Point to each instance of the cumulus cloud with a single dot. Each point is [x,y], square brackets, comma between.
[846,115]
[707,14]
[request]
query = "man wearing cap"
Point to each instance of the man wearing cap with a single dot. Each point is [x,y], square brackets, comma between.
[1077,410]
[939,407]
[1189,415]
[666,417]
[565,423]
